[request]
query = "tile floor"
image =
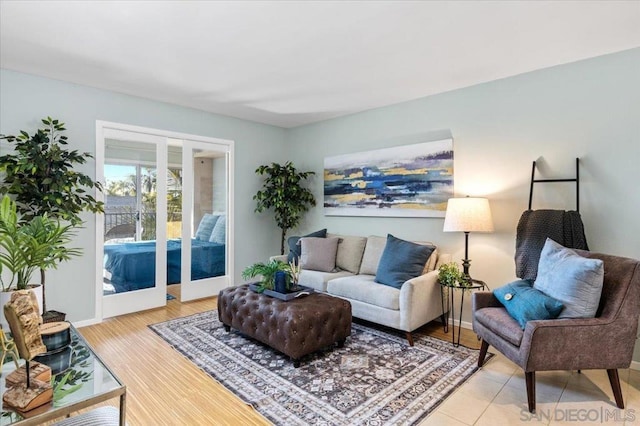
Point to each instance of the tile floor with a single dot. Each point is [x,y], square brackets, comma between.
[496,396]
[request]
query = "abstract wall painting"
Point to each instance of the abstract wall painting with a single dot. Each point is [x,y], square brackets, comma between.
[404,181]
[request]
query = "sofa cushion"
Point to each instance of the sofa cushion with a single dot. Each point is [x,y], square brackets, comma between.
[350,251]
[432,261]
[318,254]
[372,253]
[294,247]
[318,280]
[401,260]
[501,323]
[208,221]
[574,280]
[524,303]
[364,289]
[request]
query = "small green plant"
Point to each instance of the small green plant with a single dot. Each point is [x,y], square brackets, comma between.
[39,243]
[268,273]
[450,275]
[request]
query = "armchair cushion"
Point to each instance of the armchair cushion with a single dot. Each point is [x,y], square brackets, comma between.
[401,260]
[524,303]
[574,280]
[501,323]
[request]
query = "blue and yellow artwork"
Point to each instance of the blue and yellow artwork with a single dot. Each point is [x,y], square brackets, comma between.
[404,181]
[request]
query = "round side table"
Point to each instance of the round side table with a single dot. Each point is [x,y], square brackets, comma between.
[474,285]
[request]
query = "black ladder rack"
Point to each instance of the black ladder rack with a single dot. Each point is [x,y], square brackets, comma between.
[576,180]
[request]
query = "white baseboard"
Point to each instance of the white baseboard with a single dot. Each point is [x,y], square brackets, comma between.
[635,365]
[85,323]
[463,324]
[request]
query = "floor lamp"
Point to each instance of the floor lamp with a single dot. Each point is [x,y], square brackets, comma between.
[466,215]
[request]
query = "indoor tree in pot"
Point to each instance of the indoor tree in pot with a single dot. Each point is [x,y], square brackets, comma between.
[282,191]
[38,243]
[40,176]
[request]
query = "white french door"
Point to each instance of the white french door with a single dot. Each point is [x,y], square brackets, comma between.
[133,269]
[207,185]
[158,186]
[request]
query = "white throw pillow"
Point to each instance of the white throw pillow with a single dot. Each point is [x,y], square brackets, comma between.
[574,280]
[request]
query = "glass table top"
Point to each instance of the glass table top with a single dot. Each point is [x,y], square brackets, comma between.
[79,379]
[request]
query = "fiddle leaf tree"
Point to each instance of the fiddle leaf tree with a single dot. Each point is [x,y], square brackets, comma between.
[282,191]
[40,175]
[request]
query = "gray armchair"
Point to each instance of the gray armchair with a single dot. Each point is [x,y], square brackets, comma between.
[604,342]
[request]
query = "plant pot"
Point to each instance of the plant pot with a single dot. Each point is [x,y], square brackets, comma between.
[5,297]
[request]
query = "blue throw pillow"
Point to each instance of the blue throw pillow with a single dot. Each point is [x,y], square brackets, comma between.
[525,303]
[294,247]
[219,232]
[400,261]
[205,227]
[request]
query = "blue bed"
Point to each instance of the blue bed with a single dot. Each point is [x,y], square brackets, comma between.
[132,265]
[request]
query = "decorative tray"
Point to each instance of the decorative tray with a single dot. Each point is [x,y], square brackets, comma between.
[296,292]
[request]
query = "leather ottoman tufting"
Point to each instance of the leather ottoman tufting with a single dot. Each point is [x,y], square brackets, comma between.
[296,328]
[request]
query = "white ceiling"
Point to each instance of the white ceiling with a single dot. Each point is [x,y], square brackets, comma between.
[297,62]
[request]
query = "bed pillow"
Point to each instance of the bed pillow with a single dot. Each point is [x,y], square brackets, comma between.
[525,303]
[401,260]
[294,246]
[318,254]
[574,280]
[219,232]
[208,221]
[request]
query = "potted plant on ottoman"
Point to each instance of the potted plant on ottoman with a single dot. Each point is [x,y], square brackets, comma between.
[268,271]
[27,246]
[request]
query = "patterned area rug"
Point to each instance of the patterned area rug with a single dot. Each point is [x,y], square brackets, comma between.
[375,379]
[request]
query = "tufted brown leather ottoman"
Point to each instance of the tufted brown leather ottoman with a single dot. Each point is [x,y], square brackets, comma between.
[296,328]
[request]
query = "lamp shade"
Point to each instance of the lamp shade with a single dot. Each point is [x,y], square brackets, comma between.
[468,214]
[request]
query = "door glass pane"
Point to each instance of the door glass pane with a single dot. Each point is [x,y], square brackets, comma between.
[130,216]
[174,213]
[208,242]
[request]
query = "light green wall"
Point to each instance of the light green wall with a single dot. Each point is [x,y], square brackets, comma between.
[25,99]
[589,109]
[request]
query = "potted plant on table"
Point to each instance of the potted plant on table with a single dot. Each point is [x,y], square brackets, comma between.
[40,176]
[26,246]
[449,275]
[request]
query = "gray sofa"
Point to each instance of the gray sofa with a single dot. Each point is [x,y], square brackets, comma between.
[416,303]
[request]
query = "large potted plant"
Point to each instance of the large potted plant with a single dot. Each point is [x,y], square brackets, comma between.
[282,191]
[29,245]
[40,175]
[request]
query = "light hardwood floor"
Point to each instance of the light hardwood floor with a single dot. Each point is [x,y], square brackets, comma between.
[163,387]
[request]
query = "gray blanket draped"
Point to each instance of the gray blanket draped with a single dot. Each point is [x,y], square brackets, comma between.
[535,226]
